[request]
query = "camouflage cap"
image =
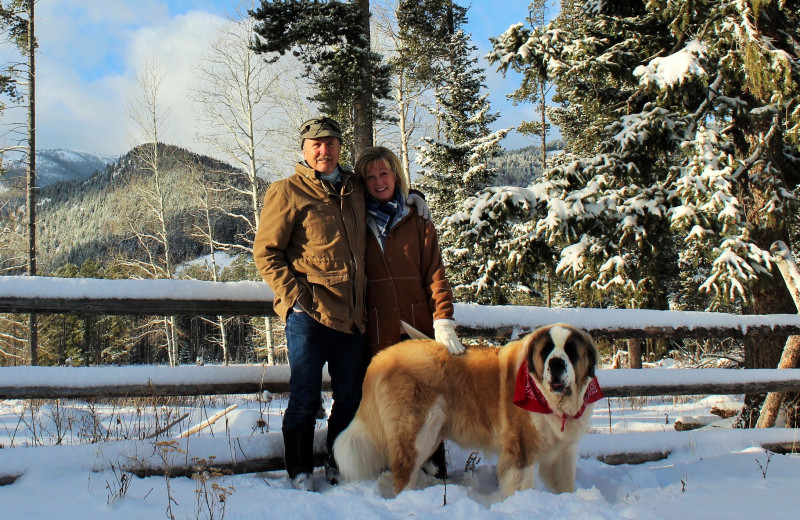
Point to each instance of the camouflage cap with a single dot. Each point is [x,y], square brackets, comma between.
[320,127]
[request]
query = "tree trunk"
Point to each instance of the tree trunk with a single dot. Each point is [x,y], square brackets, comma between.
[270,335]
[770,295]
[362,105]
[790,357]
[33,335]
[634,353]
[543,108]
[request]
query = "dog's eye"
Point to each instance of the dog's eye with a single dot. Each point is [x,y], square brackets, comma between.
[572,351]
[547,348]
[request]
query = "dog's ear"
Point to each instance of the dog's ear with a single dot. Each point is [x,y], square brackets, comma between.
[591,353]
[531,342]
[591,358]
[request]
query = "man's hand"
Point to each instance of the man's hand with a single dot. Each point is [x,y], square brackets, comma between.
[418,202]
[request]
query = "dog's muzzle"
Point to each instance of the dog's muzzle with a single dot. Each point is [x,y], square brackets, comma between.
[557,368]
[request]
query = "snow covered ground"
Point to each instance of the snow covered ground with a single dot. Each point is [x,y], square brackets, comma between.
[709,474]
[704,478]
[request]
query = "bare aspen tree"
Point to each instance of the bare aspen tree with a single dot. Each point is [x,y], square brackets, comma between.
[12,240]
[412,98]
[148,119]
[210,203]
[244,106]
[249,112]
[13,340]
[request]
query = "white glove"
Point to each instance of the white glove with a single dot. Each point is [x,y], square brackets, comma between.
[418,202]
[445,333]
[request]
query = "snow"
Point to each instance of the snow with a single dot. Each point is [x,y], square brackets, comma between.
[673,70]
[715,472]
[472,315]
[221,259]
[54,165]
[44,287]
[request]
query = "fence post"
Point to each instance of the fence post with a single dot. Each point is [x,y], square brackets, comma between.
[783,258]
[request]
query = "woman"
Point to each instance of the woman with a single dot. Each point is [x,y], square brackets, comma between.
[406,279]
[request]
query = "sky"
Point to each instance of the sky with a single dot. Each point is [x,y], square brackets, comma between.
[89,55]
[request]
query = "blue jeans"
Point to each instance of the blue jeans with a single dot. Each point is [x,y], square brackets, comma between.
[312,344]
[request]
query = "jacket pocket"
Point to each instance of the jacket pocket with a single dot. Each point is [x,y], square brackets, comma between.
[332,294]
[321,225]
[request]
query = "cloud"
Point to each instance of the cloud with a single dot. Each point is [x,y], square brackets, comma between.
[90,52]
[87,63]
[178,44]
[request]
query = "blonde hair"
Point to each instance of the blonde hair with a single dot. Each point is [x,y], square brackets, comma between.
[374,154]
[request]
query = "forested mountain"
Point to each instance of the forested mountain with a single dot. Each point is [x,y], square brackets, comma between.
[92,218]
[89,215]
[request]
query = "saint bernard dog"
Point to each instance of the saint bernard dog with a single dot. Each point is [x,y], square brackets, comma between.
[529,402]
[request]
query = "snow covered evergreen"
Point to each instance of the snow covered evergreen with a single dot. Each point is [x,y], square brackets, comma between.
[454,164]
[681,122]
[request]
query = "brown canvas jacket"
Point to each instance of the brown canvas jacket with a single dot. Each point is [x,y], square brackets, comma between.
[310,245]
[406,281]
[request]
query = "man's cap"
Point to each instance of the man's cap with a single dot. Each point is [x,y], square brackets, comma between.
[320,127]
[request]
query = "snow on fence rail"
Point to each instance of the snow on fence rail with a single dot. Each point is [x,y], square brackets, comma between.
[159,381]
[265,452]
[22,294]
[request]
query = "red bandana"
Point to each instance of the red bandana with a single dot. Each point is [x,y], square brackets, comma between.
[528,396]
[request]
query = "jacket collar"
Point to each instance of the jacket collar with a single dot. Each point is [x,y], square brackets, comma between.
[308,173]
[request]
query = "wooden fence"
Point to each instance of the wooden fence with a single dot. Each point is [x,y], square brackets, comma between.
[264,452]
[21,294]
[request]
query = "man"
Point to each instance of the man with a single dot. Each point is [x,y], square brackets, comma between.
[310,248]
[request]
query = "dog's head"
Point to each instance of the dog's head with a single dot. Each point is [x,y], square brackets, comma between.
[562,360]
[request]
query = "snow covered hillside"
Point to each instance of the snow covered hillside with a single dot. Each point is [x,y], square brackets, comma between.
[62,165]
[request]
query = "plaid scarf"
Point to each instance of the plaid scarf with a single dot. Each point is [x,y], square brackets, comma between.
[385,213]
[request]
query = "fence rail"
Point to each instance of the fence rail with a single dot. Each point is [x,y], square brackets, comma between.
[264,452]
[162,381]
[21,294]
[190,297]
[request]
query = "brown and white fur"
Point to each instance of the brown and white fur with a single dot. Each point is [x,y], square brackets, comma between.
[416,394]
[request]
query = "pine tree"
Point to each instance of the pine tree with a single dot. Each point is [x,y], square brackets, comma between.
[426,28]
[15,28]
[684,131]
[17,19]
[533,89]
[332,38]
[454,164]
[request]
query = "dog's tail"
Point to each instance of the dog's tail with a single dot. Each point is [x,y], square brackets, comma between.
[357,453]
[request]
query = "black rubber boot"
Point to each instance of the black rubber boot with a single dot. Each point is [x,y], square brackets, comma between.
[331,469]
[299,456]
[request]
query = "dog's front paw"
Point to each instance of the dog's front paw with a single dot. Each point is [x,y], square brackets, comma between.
[386,485]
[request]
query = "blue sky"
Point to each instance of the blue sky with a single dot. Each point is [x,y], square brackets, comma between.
[90,51]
